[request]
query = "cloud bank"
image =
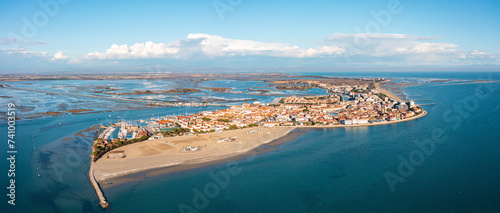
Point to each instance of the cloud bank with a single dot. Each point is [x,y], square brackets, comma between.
[410,49]
[204,50]
[360,48]
[197,44]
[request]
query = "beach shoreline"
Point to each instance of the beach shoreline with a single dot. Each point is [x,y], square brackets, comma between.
[151,173]
[387,92]
[156,154]
[155,167]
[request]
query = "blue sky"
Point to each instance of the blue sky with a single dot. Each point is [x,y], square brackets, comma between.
[72,35]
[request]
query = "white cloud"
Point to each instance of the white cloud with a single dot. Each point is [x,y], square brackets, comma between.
[378,48]
[397,48]
[376,45]
[407,49]
[342,36]
[475,52]
[385,44]
[25,53]
[59,56]
[212,46]
[8,40]
[138,50]
[478,56]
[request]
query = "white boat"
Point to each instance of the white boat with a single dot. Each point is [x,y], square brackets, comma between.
[134,135]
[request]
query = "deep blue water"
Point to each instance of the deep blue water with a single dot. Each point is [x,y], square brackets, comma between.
[324,170]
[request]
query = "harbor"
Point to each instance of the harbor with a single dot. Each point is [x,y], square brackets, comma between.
[108,140]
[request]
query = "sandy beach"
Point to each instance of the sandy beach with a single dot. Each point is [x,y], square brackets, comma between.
[150,155]
[387,92]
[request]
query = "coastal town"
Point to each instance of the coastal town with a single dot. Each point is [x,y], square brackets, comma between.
[345,105]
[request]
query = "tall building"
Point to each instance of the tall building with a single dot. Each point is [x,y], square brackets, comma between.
[411,103]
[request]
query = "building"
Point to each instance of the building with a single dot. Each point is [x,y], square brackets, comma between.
[153,125]
[346,121]
[271,124]
[359,121]
[411,104]
[142,133]
[402,106]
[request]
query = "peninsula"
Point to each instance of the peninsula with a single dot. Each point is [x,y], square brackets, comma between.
[176,143]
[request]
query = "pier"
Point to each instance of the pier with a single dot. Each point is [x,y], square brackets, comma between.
[102,200]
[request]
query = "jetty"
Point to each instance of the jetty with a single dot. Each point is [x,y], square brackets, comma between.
[102,200]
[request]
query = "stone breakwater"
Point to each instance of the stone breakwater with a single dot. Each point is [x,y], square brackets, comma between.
[102,199]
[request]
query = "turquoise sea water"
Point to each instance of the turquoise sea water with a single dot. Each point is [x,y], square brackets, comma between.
[324,170]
